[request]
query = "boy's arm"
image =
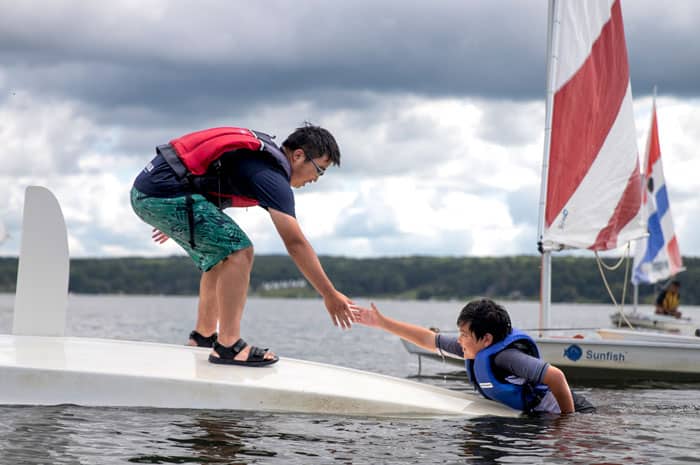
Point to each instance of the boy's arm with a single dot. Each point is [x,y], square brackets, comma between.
[535,370]
[337,304]
[418,335]
[556,380]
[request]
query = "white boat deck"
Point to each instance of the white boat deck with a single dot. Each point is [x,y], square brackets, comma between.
[647,336]
[681,326]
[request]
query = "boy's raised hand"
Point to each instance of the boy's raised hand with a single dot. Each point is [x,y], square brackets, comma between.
[366,316]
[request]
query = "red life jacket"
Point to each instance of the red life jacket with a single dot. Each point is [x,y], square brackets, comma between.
[191,156]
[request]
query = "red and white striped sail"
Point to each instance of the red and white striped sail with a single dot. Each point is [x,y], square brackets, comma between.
[593,190]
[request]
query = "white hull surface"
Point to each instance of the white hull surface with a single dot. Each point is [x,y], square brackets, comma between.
[592,359]
[681,326]
[649,336]
[99,372]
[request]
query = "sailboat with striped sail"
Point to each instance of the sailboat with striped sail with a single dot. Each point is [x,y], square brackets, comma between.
[657,256]
[591,191]
[591,196]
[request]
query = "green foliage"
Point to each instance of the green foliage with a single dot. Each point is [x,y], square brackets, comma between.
[574,279]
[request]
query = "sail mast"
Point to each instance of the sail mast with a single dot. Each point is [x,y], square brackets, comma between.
[546,273]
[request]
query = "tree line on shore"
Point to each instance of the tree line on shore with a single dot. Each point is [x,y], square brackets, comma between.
[574,279]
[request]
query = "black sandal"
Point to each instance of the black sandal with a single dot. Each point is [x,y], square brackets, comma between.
[256,356]
[203,341]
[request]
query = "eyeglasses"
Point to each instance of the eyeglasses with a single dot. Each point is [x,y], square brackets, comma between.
[319,170]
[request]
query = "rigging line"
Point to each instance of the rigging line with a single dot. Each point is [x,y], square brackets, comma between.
[611,267]
[624,290]
[600,264]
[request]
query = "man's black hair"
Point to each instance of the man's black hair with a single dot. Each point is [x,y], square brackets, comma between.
[315,141]
[676,282]
[486,316]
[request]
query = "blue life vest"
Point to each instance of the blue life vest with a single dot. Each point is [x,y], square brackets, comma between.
[481,374]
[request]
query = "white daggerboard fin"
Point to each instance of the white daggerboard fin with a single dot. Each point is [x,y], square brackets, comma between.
[42,273]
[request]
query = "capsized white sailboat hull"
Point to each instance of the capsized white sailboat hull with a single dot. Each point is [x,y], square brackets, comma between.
[39,370]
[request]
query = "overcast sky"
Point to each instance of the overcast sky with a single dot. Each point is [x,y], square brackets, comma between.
[438,108]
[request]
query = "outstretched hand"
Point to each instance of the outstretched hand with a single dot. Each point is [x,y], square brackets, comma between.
[338,306]
[159,236]
[366,316]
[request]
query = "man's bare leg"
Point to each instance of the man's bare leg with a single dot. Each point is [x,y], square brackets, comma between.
[232,280]
[207,311]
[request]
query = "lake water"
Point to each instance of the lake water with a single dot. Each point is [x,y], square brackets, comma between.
[648,424]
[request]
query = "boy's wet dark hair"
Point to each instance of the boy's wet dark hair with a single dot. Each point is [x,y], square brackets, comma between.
[486,316]
[315,141]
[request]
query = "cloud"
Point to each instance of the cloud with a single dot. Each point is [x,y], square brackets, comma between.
[195,61]
[687,227]
[440,122]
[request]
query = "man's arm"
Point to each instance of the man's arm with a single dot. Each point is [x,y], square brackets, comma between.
[307,261]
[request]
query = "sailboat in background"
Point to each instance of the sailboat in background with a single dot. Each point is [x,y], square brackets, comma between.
[591,188]
[657,256]
[591,196]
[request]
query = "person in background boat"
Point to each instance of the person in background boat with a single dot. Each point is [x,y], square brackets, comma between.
[668,300]
[502,363]
[182,193]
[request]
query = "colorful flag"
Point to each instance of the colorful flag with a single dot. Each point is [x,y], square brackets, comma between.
[657,257]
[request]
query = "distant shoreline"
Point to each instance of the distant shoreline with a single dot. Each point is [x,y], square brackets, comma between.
[575,279]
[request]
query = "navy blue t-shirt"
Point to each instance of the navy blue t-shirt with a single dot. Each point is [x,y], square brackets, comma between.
[254,175]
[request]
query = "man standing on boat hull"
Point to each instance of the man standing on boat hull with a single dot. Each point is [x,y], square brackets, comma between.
[182,193]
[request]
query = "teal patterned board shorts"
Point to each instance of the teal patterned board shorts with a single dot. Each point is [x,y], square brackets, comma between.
[216,235]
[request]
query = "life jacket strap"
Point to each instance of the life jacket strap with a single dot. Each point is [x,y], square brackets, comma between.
[170,156]
[189,204]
